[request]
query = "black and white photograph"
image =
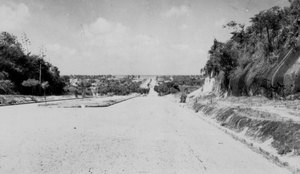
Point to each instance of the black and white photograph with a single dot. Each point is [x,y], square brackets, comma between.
[149,86]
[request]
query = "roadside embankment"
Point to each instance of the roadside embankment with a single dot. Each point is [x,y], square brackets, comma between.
[10,100]
[268,127]
[91,102]
[6,100]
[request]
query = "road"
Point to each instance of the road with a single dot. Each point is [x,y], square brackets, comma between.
[140,136]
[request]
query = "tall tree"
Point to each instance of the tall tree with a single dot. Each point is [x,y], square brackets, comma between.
[268,22]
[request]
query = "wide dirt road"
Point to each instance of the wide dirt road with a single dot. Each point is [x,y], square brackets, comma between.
[143,135]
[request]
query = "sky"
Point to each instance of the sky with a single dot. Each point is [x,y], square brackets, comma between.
[145,37]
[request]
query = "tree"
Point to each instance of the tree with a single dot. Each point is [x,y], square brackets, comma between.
[18,67]
[83,85]
[268,21]
[6,87]
[238,31]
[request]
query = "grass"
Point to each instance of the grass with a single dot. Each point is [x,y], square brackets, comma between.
[285,134]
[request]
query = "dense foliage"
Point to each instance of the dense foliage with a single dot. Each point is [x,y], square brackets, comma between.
[247,59]
[105,84]
[179,83]
[122,86]
[188,80]
[166,88]
[20,72]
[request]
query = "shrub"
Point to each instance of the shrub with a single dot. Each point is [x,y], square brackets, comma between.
[6,87]
[167,88]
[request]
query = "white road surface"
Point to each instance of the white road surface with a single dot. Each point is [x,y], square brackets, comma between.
[140,136]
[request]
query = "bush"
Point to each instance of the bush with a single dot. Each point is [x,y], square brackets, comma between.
[6,87]
[167,88]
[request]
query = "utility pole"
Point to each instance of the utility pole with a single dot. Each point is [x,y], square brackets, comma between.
[42,56]
[40,77]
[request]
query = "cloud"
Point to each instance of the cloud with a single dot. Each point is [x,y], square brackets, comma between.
[57,48]
[146,40]
[177,11]
[220,22]
[183,47]
[105,33]
[187,49]
[13,16]
[59,54]
[112,47]
[113,36]
[183,27]
[103,26]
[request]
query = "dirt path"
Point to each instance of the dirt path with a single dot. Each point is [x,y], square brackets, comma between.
[143,135]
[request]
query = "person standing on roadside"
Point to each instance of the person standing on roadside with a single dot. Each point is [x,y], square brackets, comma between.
[183,96]
[76,93]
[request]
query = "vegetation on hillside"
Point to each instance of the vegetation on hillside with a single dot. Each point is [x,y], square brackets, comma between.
[20,71]
[246,61]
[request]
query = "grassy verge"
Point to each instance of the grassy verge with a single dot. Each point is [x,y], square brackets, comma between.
[8,100]
[285,134]
[278,140]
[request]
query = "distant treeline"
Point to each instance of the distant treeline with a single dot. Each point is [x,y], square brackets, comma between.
[77,76]
[104,85]
[179,83]
[24,73]
[248,63]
